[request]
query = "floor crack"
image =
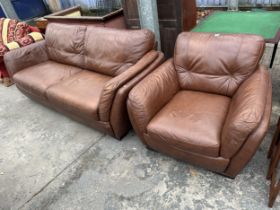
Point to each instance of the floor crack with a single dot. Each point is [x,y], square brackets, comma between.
[64,169]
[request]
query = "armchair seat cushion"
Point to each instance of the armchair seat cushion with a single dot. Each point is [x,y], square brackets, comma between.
[79,94]
[191,121]
[38,78]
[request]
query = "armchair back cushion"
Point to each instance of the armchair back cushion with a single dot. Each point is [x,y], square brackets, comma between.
[216,63]
[103,50]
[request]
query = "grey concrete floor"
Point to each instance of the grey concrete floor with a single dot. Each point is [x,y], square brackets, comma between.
[48,161]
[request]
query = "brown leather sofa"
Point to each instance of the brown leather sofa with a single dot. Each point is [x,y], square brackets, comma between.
[86,72]
[210,105]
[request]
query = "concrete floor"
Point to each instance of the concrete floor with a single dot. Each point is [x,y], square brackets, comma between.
[48,161]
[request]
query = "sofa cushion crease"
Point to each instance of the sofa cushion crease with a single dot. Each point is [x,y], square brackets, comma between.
[40,77]
[80,93]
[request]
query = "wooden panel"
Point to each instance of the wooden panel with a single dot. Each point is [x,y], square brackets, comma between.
[112,20]
[172,19]
[188,15]
[168,39]
[131,14]
[166,9]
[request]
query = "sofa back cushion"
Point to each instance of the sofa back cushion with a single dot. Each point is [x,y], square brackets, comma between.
[65,43]
[111,51]
[103,50]
[216,63]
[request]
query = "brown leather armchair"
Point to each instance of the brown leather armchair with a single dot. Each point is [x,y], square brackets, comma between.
[85,72]
[210,105]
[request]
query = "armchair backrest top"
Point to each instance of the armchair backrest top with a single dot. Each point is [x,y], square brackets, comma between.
[216,63]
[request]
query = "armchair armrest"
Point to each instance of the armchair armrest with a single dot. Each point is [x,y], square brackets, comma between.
[119,119]
[150,95]
[111,87]
[246,112]
[24,57]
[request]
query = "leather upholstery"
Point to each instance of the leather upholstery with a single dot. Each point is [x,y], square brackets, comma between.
[86,72]
[197,120]
[217,164]
[111,87]
[253,141]
[122,122]
[151,95]
[65,44]
[103,50]
[120,47]
[28,56]
[245,112]
[80,93]
[37,79]
[209,106]
[13,35]
[216,63]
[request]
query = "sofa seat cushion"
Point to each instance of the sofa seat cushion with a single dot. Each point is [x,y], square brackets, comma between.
[79,94]
[191,121]
[37,79]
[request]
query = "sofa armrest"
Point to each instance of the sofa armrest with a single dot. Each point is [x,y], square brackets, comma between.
[111,87]
[150,95]
[24,57]
[246,112]
[119,119]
